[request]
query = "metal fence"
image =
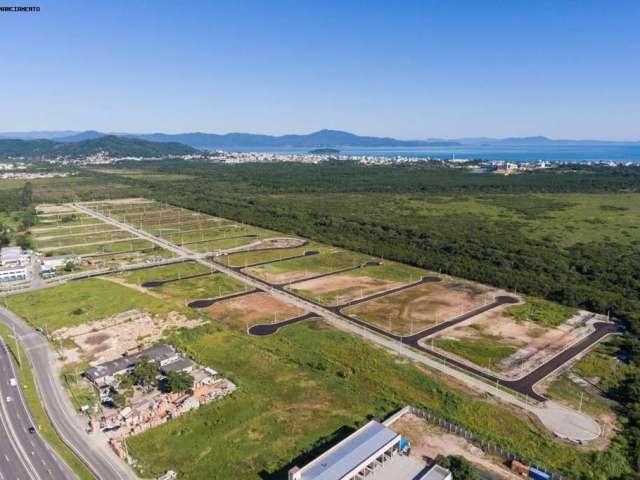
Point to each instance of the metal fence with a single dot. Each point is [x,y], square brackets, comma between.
[482,444]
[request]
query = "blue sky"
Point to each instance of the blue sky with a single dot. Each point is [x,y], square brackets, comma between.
[406,69]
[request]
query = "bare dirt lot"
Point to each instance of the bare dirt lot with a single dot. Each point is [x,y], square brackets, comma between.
[533,344]
[339,289]
[47,208]
[429,441]
[285,242]
[278,277]
[107,339]
[243,312]
[422,306]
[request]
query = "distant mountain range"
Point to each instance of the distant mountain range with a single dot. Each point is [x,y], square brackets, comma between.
[319,139]
[111,144]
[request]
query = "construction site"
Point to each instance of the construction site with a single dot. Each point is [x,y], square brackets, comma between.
[178,270]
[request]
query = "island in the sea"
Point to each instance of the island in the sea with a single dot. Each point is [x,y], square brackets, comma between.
[324,151]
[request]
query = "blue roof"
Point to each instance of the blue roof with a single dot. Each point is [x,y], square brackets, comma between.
[348,454]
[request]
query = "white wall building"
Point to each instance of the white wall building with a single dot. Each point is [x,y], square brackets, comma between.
[13,257]
[13,274]
[14,265]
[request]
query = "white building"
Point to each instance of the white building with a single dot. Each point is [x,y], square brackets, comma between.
[437,473]
[353,457]
[13,274]
[14,265]
[375,452]
[50,264]
[13,257]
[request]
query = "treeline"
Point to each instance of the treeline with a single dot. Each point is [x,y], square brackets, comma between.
[18,205]
[10,200]
[344,176]
[110,144]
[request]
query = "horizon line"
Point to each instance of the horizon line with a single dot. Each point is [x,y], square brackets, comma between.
[70,132]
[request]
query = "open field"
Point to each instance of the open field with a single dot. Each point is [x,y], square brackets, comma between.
[42,230]
[74,241]
[82,301]
[254,239]
[248,258]
[328,260]
[190,234]
[64,220]
[125,257]
[215,285]
[541,312]
[64,232]
[221,244]
[391,271]
[164,272]
[422,306]
[100,248]
[582,385]
[248,310]
[53,208]
[499,342]
[11,184]
[307,383]
[566,218]
[341,288]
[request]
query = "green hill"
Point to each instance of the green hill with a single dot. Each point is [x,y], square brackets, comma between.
[111,144]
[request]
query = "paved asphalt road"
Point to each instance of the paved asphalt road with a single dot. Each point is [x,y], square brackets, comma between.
[24,454]
[92,449]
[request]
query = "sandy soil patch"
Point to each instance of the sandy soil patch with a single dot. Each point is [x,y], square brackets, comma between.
[253,309]
[138,288]
[429,441]
[119,201]
[423,305]
[47,208]
[280,277]
[536,343]
[285,242]
[338,289]
[103,340]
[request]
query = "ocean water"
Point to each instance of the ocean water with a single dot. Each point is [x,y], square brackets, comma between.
[518,153]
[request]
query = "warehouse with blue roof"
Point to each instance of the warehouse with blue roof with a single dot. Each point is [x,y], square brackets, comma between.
[374,452]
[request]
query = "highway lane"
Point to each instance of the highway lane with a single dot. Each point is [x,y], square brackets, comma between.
[38,458]
[12,464]
[93,450]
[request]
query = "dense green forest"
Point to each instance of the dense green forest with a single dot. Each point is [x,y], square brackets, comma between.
[113,145]
[569,234]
